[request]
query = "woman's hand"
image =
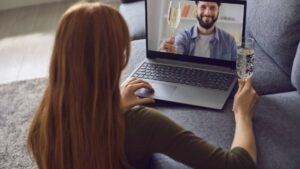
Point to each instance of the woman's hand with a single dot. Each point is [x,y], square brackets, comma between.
[245,100]
[244,104]
[128,98]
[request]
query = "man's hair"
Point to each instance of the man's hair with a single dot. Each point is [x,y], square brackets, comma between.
[219,3]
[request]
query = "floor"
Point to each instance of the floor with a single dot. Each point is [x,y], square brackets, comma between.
[26,40]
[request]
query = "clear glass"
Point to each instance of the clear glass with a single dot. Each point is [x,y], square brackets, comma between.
[245,58]
[174,16]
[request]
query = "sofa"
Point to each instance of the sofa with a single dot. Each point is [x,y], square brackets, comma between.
[275,26]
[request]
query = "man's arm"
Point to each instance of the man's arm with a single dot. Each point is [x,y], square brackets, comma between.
[180,43]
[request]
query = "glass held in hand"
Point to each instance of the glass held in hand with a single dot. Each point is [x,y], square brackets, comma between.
[174,15]
[245,58]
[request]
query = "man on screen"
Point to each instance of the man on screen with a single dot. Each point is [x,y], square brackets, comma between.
[203,39]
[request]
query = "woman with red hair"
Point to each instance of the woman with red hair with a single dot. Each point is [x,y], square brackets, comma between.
[86,121]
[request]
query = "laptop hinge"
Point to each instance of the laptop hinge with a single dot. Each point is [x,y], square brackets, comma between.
[193,65]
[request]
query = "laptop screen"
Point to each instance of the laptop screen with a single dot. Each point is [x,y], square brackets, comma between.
[197,31]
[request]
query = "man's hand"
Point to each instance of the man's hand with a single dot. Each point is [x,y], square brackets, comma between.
[128,98]
[168,45]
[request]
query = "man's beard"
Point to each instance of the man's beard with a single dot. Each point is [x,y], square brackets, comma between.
[206,25]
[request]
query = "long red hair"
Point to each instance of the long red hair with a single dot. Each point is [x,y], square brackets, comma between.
[79,124]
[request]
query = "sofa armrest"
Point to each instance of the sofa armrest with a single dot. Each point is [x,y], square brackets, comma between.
[296,70]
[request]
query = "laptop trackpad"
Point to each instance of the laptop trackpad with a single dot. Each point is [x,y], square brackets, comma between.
[160,91]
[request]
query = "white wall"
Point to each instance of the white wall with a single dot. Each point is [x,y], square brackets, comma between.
[234,11]
[10,4]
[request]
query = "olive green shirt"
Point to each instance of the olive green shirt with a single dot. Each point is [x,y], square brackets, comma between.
[149,132]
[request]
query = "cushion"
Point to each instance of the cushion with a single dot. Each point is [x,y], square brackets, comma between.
[276,125]
[134,14]
[296,70]
[137,55]
[268,78]
[275,26]
[161,161]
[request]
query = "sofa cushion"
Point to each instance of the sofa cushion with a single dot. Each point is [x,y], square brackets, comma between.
[276,125]
[134,14]
[137,55]
[296,70]
[268,78]
[275,26]
[161,161]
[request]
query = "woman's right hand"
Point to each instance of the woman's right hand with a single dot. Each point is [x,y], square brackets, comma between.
[128,97]
[245,100]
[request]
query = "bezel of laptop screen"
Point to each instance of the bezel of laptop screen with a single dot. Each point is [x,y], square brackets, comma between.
[156,54]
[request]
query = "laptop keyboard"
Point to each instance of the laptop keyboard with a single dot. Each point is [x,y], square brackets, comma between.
[187,76]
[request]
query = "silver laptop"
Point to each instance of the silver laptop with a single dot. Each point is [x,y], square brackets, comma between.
[191,50]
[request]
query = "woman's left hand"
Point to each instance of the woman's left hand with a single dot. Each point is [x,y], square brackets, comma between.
[128,98]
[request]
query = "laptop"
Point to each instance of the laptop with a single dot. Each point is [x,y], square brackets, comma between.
[191,50]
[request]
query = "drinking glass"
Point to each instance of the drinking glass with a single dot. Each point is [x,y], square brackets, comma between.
[174,15]
[245,58]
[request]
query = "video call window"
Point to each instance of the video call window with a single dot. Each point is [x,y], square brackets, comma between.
[202,29]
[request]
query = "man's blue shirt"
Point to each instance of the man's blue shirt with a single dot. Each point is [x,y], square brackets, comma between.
[222,46]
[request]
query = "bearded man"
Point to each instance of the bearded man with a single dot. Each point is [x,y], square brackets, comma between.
[204,39]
